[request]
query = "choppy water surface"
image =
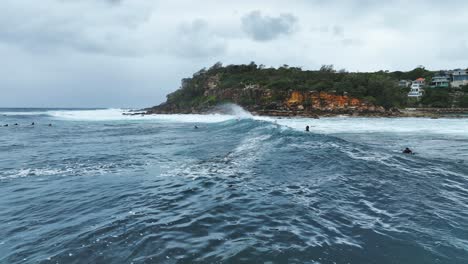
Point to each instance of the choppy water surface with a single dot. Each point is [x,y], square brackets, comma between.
[99,187]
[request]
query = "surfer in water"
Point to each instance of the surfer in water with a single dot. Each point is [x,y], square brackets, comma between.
[5,125]
[32,124]
[307,128]
[196,127]
[407,151]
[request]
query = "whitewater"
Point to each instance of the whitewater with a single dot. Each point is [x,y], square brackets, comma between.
[98,186]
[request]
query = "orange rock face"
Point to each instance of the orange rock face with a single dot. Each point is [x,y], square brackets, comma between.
[323,101]
[296,98]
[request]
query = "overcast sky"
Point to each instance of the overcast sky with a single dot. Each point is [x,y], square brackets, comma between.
[131,53]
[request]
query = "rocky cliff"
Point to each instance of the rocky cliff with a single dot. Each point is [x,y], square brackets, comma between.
[209,88]
[266,102]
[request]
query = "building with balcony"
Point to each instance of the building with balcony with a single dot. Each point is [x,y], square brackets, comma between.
[404,83]
[417,89]
[441,80]
[459,78]
[421,81]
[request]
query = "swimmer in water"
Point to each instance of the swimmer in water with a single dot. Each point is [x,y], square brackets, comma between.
[32,124]
[196,127]
[307,128]
[407,151]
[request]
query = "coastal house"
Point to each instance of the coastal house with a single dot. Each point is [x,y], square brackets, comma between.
[420,81]
[459,78]
[404,83]
[417,88]
[440,80]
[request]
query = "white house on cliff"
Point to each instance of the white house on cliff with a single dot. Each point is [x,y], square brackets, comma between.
[417,88]
[459,78]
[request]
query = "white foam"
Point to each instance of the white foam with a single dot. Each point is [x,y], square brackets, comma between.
[239,161]
[414,126]
[233,110]
[33,172]
[332,125]
[22,113]
[73,169]
[118,114]
[88,115]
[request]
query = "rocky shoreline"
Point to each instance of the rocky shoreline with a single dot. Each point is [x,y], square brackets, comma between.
[435,112]
[392,113]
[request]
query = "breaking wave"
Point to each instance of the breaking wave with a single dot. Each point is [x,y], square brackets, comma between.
[234,112]
[102,187]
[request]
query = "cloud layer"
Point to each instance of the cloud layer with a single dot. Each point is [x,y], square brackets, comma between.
[265,28]
[132,52]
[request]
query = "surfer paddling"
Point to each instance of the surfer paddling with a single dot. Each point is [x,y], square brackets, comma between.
[408,151]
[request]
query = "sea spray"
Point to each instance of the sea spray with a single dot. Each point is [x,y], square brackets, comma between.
[232,110]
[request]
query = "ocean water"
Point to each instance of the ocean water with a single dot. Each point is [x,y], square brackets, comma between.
[100,187]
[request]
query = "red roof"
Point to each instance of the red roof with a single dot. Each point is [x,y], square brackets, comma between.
[420,79]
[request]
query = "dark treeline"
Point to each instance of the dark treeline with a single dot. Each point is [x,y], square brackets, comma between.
[379,87]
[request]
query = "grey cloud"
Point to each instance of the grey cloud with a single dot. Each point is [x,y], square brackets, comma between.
[455,51]
[132,52]
[103,1]
[319,29]
[83,26]
[338,31]
[265,28]
[336,34]
[114,1]
[351,42]
[197,39]
[54,39]
[92,27]
[196,26]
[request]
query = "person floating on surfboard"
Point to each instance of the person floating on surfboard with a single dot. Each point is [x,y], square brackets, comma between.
[407,151]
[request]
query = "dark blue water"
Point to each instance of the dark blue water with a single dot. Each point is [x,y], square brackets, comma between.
[247,191]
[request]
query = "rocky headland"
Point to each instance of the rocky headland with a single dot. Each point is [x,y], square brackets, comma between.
[291,92]
[297,103]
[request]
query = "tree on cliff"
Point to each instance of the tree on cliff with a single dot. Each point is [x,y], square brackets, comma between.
[216,66]
[418,72]
[436,98]
[385,91]
[464,101]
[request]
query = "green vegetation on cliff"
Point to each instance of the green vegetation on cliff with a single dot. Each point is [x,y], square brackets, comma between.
[380,88]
